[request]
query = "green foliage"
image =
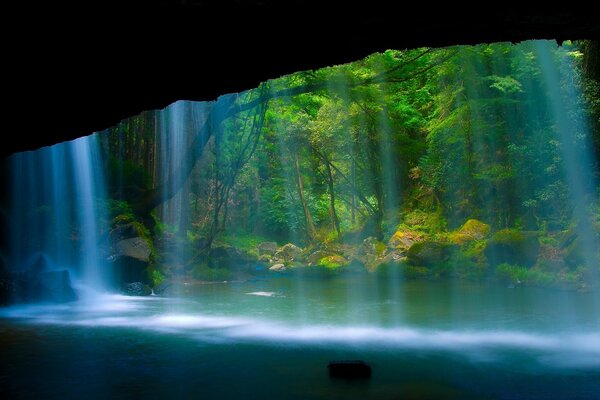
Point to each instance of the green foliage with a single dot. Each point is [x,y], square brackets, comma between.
[517,275]
[513,274]
[157,277]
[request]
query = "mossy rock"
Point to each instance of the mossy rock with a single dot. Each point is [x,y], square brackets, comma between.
[395,257]
[430,253]
[470,231]
[403,239]
[513,247]
[333,261]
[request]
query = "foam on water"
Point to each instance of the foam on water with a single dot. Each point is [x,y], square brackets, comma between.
[559,349]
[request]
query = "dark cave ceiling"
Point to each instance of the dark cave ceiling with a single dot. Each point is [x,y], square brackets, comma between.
[72,73]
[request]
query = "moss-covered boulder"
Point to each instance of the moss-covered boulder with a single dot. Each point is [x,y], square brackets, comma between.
[403,239]
[430,253]
[470,231]
[394,257]
[513,247]
[333,261]
[316,256]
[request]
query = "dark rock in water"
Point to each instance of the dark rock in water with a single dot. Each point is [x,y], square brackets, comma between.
[162,288]
[33,286]
[137,289]
[349,369]
[40,264]
[56,286]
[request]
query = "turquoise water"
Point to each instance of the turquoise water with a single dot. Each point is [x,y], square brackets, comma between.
[273,338]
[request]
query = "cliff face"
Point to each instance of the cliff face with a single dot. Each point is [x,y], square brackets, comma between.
[84,71]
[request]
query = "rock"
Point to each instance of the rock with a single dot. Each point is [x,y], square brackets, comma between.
[162,288]
[391,259]
[278,268]
[333,261]
[56,286]
[513,247]
[471,230]
[136,248]
[289,252]
[136,289]
[267,248]
[264,258]
[403,239]
[316,257]
[349,369]
[130,262]
[430,252]
[39,265]
[34,286]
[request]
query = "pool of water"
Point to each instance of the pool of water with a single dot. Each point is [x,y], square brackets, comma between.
[273,338]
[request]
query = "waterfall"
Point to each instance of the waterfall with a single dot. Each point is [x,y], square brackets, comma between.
[57,211]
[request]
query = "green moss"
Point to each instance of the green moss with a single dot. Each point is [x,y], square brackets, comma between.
[423,222]
[332,262]
[157,277]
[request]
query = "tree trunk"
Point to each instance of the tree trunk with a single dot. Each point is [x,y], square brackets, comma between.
[311,232]
[352,196]
[336,221]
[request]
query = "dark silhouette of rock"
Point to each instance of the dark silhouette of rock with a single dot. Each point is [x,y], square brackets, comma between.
[349,369]
[137,289]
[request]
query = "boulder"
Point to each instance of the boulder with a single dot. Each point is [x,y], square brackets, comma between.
[135,247]
[129,262]
[56,286]
[136,289]
[34,286]
[333,261]
[267,248]
[277,268]
[513,247]
[289,252]
[349,369]
[471,230]
[315,258]
[393,258]
[403,239]
[430,253]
